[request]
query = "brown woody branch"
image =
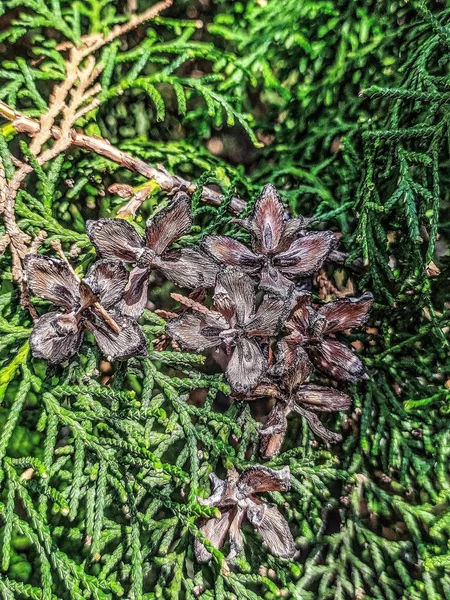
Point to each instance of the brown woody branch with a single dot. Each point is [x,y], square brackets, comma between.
[79,86]
[165,180]
[69,101]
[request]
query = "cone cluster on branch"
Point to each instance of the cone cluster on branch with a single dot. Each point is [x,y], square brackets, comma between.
[263,326]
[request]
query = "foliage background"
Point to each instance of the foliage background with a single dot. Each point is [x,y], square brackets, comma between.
[261,91]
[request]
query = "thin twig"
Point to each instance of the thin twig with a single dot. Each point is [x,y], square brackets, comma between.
[38,241]
[94,42]
[56,245]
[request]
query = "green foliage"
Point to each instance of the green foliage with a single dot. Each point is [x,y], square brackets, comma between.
[100,469]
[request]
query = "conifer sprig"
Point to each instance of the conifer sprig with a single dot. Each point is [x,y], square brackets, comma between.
[102,463]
